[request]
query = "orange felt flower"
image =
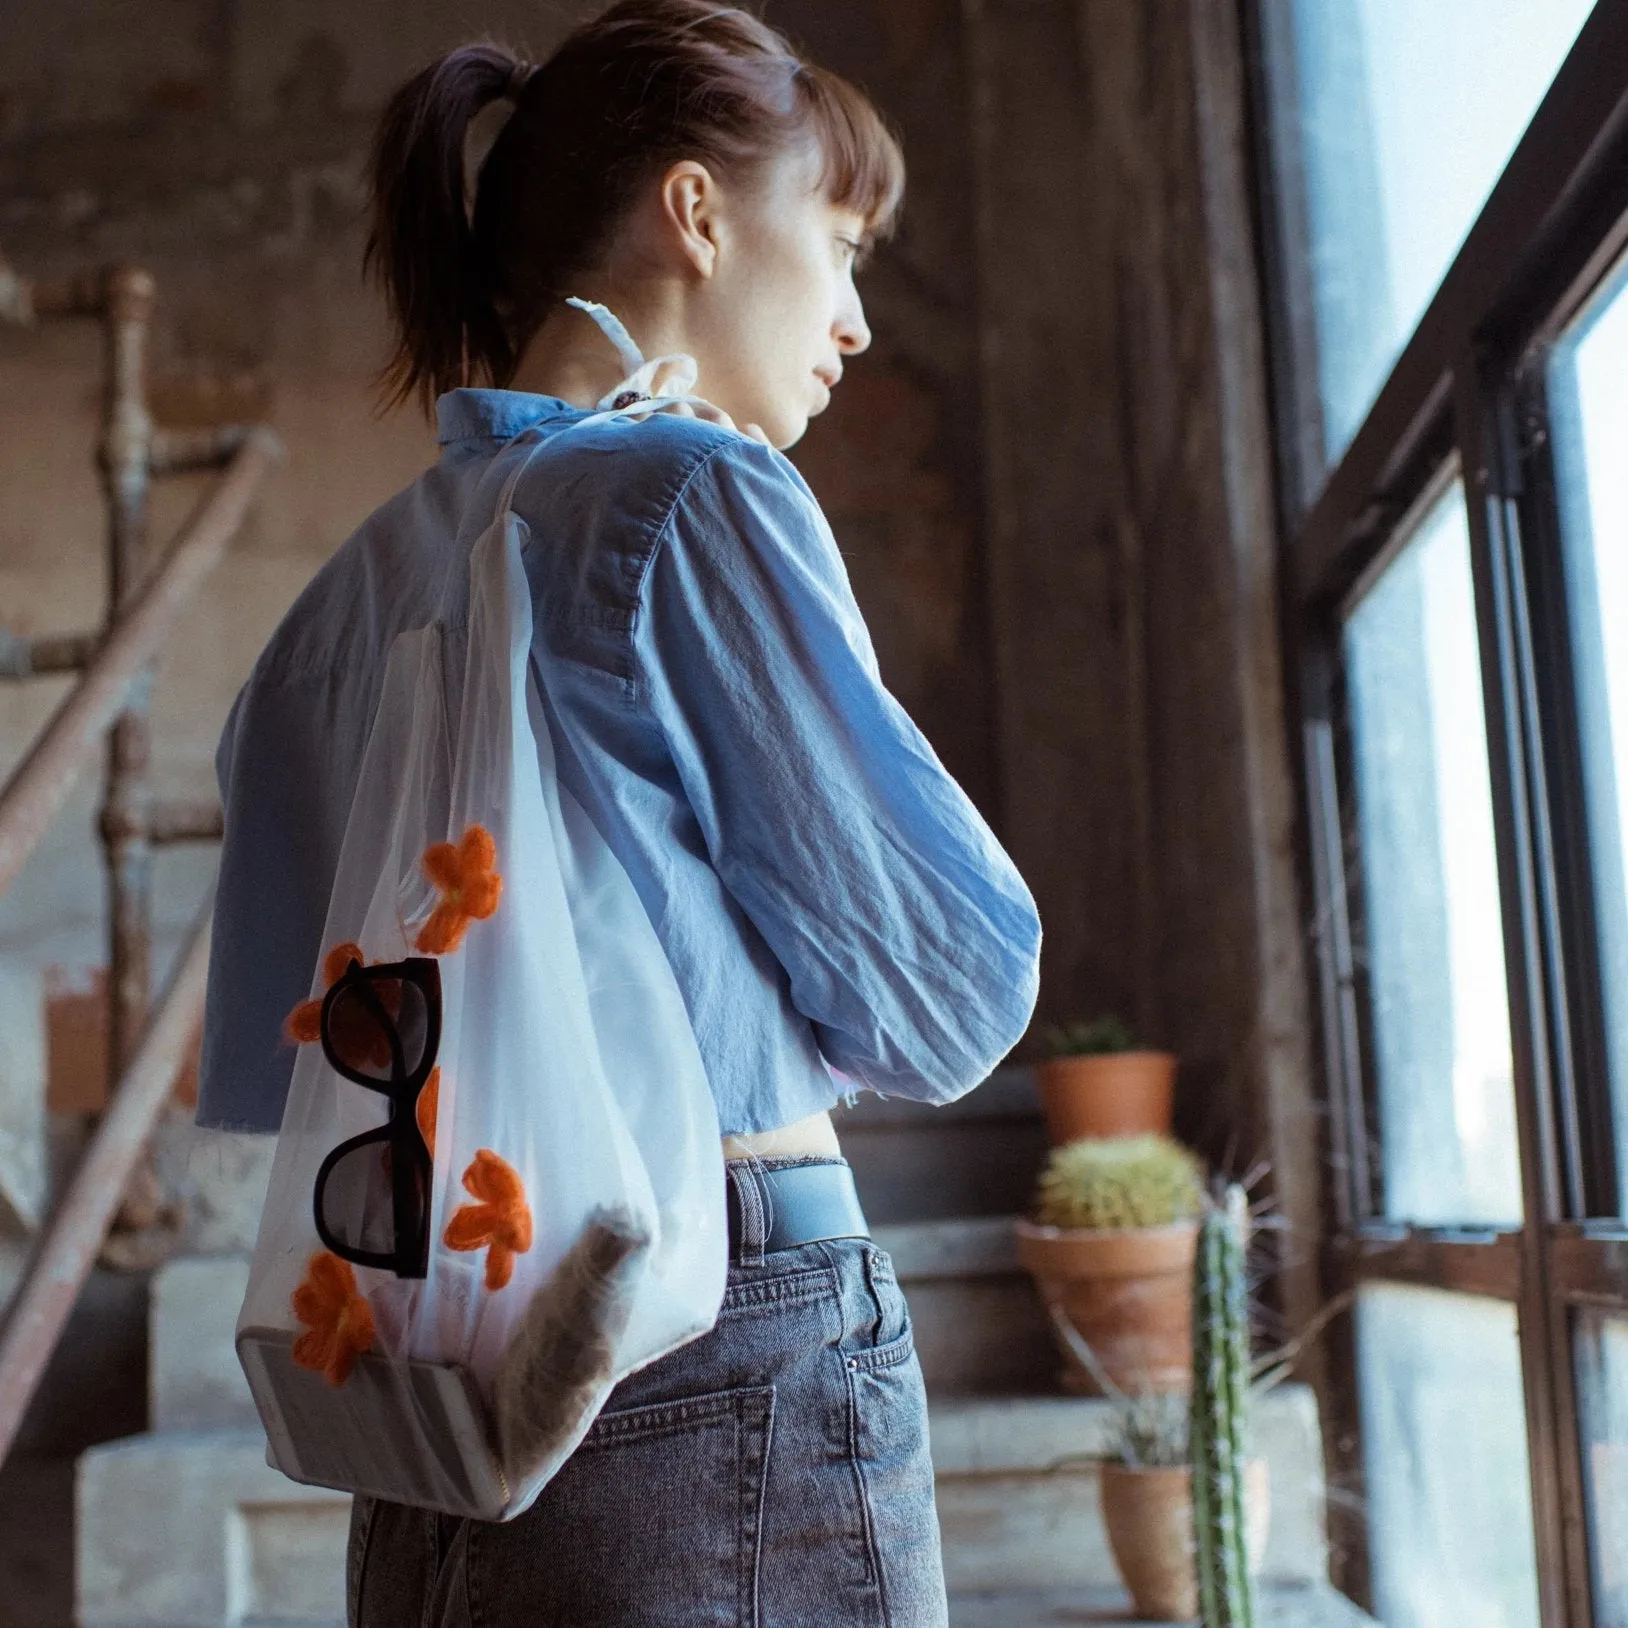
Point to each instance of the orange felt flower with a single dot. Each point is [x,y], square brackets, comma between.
[466,875]
[338,1319]
[499,1224]
[304,1024]
[427,1108]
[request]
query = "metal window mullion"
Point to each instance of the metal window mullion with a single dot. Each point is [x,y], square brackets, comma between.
[1590,1266]
[1563,1580]
[1587,1144]
[1461,1261]
[1350,1154]
[1283,227]
[1348,1196]
[1581,1272]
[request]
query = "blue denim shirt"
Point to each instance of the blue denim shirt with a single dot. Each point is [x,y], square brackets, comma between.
[824,890]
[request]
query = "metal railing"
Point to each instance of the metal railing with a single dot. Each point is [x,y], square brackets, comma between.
[110,701]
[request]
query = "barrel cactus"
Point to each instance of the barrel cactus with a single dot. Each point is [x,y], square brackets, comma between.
[1220,1402]
[1119,1183]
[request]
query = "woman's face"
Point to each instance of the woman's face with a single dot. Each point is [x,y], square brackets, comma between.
[772,323]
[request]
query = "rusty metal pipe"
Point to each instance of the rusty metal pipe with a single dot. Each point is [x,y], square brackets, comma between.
[42,781]
[175,452]
[126,459]
[62,652]
[68,1248]
[23,300]
[47,655]
[171,820]
[81,296]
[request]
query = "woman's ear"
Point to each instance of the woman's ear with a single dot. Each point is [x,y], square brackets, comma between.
[689,214]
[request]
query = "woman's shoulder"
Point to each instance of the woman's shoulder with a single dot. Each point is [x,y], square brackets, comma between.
[649,468]
[606,499]
[385,576]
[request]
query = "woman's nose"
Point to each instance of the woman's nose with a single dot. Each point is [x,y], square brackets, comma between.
[851,332]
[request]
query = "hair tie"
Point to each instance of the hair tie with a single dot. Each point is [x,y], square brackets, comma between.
[519,76]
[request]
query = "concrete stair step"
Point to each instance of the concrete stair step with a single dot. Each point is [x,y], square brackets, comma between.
[1018,1491]
[192,1529]
[978,1155]
[980,1326]
[188,1528]
[1282,1605]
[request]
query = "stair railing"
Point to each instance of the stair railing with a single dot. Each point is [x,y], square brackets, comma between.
[147,1043]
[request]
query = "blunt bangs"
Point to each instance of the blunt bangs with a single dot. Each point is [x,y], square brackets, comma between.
[862,165]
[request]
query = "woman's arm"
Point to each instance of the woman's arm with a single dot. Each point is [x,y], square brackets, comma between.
[910,941]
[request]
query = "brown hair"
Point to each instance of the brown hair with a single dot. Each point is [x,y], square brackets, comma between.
[648,83]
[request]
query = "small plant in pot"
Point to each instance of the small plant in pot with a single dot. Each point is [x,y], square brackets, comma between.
[1185,1504]
[1147,1507]
[1096,1080]
[1111,1250]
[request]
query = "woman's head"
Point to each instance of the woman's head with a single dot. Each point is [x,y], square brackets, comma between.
[675,159]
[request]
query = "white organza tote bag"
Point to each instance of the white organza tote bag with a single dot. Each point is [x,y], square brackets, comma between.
[499,1184]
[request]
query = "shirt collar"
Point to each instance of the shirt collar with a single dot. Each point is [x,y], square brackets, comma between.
[493,415]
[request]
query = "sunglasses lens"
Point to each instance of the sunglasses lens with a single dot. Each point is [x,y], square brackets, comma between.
[363,1019]
[358,1200]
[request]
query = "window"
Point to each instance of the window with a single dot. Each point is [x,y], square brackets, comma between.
[1449,1485]
[1434,943]
[1407,111]
[1602,1382]
[1405,114]
[1446,216]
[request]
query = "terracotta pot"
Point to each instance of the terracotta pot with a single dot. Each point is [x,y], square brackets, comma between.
[1122,1093]
[1149,1516]
[1129,1296]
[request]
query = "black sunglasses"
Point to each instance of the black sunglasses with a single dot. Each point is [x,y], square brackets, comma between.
[381,1027]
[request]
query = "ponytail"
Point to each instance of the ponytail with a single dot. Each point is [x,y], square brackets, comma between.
[640,87]
[422,248]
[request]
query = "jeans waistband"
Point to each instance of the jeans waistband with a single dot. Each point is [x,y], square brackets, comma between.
[783,1203]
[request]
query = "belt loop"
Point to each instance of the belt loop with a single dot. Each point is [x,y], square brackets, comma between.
[754,1212]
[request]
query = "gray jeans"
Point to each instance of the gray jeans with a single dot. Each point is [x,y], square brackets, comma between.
[772,1474]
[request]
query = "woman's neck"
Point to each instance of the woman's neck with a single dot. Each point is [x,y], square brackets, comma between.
[571,358]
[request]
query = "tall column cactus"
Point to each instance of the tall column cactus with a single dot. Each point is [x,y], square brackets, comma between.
[1221,1378]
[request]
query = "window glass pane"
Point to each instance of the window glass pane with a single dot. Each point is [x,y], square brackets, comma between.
[1588,388]
[1407,112]
[1429,884]
[1444,1456]
[1602,1392]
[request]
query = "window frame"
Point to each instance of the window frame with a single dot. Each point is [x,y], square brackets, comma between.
[1469,386]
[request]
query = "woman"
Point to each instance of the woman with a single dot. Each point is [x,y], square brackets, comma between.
[834,910]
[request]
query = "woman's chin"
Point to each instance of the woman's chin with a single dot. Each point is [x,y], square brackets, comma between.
[787,431]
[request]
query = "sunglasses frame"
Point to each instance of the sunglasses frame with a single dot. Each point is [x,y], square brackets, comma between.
[410,1162]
